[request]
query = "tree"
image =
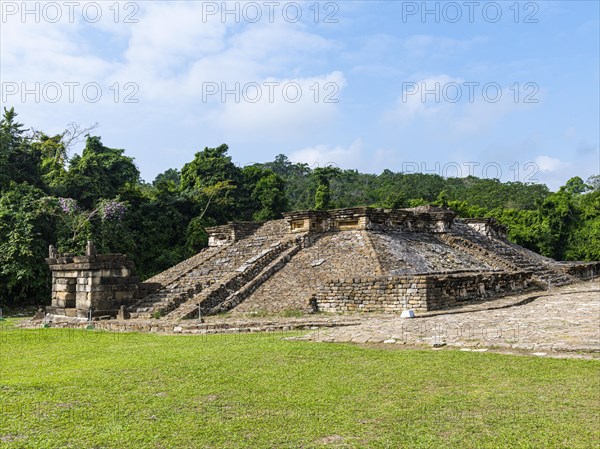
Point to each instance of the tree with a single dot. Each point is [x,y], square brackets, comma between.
[576,186]
[77,223]
[281,165]
[269,194]
[584,236]
[557,215]
[594,182]
[209,166]
[442,199]
[25,228]
[212,182]
[171,176]
[53,159]
[99,172]
[323,176]
[394,200]
[197,237]
[18,162]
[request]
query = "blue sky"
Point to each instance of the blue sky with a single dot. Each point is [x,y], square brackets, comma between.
[496,89]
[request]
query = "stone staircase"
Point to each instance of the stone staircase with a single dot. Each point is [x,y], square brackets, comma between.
[176,271]
[478,251]
[505,255]
[199,274]
[176,287]
[236,286]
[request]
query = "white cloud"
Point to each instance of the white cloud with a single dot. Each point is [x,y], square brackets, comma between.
[45,52]
[170,55]
[287,106]
[547,164]
[169,35]
[555,172]
[420,100]
[323,155]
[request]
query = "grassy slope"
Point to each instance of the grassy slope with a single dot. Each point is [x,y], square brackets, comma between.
[89,389]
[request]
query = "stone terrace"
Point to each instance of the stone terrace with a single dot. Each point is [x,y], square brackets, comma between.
[338,260]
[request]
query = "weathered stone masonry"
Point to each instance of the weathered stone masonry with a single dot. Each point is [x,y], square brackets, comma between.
[101,283]
[587,271]
[420,219]
[420,293]
[344,260]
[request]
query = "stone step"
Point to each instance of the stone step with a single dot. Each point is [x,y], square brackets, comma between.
[178,285]
[240,295]
[497,251]
[201,273]
[236,280]
[170,275]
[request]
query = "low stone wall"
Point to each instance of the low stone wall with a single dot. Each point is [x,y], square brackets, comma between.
[231,232]
[419,219]
[487,226]
[581,270]
[418,292]
[277,324]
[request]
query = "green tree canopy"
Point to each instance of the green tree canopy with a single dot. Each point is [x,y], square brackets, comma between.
[18,161]
[100,172]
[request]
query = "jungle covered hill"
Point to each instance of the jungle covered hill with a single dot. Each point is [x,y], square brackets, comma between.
[51,195]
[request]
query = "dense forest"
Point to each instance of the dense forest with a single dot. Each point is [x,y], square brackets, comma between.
[50,196]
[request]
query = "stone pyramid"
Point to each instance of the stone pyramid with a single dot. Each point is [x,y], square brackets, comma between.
[357,259]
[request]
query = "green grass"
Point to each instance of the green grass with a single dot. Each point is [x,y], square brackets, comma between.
[92,389]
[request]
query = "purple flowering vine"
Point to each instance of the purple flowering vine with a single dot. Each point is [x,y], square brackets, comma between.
[112,210]
[78,219]
[68,205]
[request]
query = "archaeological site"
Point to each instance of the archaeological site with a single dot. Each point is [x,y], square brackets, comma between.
[338,261]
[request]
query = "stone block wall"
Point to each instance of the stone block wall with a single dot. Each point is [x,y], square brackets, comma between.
[351,218]
[429,219]
[487,226]
[307,221]
[581,270]
[231,232]
[393,294]
[423,219]
[451,290]
[100,282]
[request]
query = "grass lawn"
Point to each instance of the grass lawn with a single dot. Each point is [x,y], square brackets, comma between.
[92,389]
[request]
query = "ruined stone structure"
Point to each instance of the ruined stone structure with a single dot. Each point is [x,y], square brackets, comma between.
[420,292]
[94,285]
[357,259]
